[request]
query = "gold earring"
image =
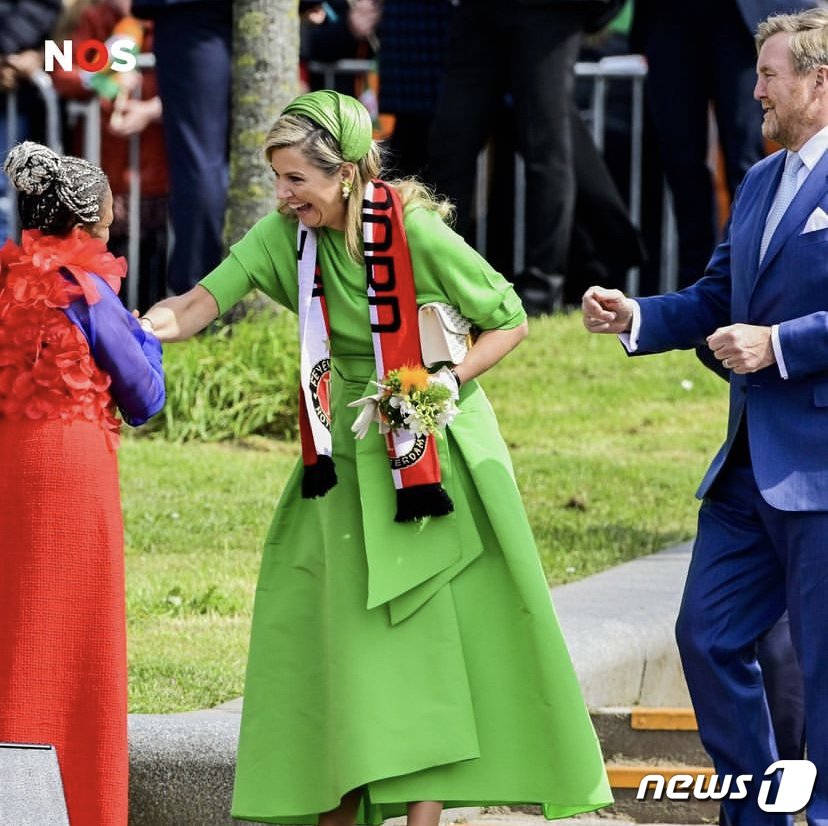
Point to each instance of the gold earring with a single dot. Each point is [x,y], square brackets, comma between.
[347,186]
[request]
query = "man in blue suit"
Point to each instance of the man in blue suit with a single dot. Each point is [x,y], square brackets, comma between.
[762,309]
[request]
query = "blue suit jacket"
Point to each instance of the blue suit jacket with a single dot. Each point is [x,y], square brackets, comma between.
[787,419]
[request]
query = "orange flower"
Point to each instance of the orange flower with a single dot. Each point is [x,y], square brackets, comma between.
[413,377]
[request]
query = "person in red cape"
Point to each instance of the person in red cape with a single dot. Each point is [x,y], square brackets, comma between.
[71,356]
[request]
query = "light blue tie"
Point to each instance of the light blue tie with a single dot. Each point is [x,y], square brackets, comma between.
[782,199]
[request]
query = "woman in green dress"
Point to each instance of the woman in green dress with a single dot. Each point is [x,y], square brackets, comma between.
[405,655]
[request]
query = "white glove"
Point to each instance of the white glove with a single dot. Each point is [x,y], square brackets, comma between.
[370,413]
[445,377]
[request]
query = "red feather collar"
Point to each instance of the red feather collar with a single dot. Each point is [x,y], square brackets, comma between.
[40,256]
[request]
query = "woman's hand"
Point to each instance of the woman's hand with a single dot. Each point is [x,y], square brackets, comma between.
[491,346]
[182,316]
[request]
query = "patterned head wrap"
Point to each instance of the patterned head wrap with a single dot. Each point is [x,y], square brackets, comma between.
[344,117]
[55,192]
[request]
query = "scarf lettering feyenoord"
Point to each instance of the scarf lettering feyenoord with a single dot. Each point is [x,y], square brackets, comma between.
[392,300]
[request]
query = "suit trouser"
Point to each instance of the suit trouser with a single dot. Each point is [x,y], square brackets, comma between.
[192,50]
[783,686]
[528,51]
[749,562]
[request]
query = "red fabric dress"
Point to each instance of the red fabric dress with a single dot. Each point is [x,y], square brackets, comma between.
[62,606]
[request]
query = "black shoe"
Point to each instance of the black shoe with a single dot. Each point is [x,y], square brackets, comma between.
[540,292]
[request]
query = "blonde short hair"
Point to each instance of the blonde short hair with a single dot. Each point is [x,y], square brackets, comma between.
[809,37]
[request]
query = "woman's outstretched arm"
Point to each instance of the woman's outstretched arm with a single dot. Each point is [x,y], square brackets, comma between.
[182,316]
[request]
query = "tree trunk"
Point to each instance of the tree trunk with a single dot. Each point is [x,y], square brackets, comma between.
[265,80]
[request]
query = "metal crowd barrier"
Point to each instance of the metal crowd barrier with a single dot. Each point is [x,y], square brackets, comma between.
[633,68]
[51,102]
[626,68]
[330,71]
[90,112]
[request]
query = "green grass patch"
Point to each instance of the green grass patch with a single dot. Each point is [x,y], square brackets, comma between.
[234,381]
[607,450]
[195,518]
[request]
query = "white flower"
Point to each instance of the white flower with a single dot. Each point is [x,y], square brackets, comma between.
[414,423]
[448,414]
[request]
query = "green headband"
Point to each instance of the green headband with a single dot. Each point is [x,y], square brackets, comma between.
[343,116]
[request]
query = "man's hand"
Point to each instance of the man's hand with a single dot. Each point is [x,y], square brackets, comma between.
[743,348]
[606,311]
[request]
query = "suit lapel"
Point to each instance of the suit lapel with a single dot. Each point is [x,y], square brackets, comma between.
[804,202]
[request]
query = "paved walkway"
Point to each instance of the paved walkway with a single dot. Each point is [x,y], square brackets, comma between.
[499,816]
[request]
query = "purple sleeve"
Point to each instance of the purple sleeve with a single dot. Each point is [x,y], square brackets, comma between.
[124,350]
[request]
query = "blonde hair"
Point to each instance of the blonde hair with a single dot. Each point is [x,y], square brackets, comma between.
[809,37]
[320,149]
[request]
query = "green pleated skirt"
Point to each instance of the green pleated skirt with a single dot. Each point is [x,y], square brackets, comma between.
[420,661]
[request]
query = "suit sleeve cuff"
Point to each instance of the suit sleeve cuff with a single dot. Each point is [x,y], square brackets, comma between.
[777,351]
[630,340]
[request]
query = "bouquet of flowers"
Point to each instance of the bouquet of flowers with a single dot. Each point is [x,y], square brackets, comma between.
[413,399]
[409,398]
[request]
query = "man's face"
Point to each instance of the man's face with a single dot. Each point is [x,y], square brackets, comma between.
[789,100]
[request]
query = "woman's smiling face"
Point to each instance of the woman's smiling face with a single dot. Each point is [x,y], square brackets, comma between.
[312,195]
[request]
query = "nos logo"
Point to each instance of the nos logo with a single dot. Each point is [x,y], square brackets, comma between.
[92,55]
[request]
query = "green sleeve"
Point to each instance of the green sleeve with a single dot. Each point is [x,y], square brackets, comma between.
[264,259]
[447,269]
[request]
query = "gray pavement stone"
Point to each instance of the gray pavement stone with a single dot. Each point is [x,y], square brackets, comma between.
[181,768]
[618,625]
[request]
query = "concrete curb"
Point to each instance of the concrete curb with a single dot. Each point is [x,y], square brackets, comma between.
[619,628]
[181,768]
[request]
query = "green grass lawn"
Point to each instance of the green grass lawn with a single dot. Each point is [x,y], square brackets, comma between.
[607,451]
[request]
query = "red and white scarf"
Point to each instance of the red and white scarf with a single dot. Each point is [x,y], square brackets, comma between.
[392,301]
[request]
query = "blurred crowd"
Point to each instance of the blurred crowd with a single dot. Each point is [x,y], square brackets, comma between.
[447,79]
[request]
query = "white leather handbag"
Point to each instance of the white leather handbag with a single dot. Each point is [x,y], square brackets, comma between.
[444,334]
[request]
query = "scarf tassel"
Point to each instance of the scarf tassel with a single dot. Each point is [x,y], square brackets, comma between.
[420,501]
[318,478]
